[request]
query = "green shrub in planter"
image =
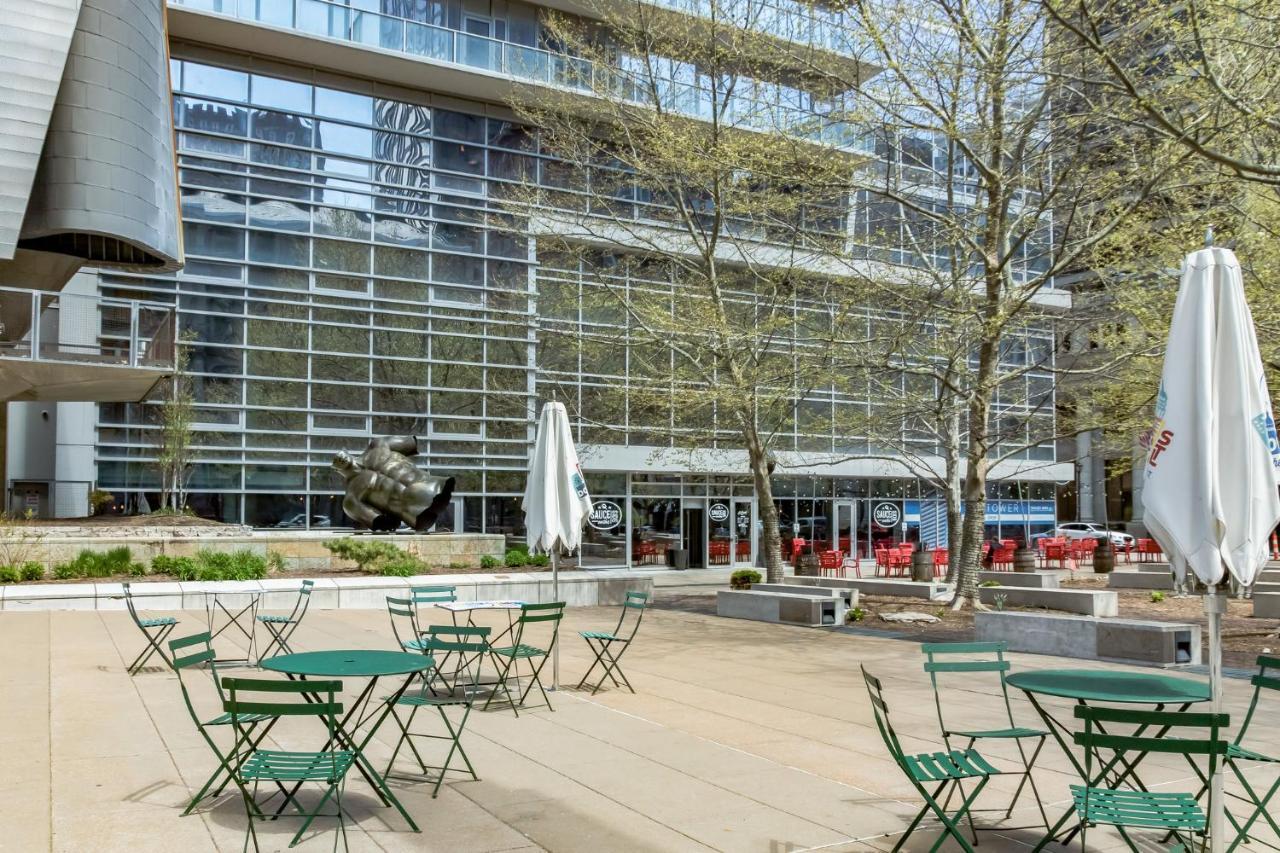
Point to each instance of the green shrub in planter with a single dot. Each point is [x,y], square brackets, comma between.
[488,562]
[31,571]
[8,574]
[539,560]
[515,558]
[243,565]
[365,552]
[1157,596]
[99,564]
[854,614]
[403,566]
[743,579]
[182,568]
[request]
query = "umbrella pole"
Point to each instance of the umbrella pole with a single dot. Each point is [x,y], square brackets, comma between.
[1214,606]
[555,596]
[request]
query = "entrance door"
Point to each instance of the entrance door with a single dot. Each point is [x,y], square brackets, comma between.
[847,528]
[29,499]
[744,540]
[695,537]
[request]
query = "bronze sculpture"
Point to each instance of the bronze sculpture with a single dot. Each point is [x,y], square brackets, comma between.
[385,488]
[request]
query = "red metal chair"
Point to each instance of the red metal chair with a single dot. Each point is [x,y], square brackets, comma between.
[900,559]
[743,550]
[831,562]
[645,552]
[718,551]
[882,560]
[850,563]
[1003,559]
[798,546]
[941,560]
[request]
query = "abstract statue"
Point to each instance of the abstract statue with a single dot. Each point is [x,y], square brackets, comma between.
[385,488]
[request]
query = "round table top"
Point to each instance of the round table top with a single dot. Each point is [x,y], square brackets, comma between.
[1131,688]
[349,663]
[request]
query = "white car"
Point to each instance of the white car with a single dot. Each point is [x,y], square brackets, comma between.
[1088,530]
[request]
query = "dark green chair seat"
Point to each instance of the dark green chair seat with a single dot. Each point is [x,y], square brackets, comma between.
[157,622]
[275,618]
[1241,753]
[276,766]
[1141,809]
[417,700]
[521,651]
[598,635]
[247,719]
[418,645]
[944,766]
[1012,732]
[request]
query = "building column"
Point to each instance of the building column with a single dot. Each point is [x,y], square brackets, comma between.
[1091,482]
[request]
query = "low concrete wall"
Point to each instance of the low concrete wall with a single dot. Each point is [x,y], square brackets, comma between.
[1140,580]
[782,607]
[1036,580]
[927,590]
[1266,605]
[1090,638]
[1087,601]
[847,594]
[577,589]
[302,550]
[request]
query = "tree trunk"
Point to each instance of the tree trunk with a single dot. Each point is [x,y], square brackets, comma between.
[770,540]
[955,517]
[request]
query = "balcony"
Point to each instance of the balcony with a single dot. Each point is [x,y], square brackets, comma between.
[75,347]
[392,49]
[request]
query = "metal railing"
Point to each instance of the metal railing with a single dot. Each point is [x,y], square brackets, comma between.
[37,325]
[531,64]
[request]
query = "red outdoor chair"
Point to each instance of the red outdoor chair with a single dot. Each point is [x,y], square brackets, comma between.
[882,560]
[645,552]
[744,550]
[1003,559]
[941,560]
[832,563]
[900,559]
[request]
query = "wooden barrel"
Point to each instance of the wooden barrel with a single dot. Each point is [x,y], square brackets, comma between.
[922,566]
[1104,558]
[1024,560]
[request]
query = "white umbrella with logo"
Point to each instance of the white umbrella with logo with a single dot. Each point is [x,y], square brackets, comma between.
[1210,490]
[555,501]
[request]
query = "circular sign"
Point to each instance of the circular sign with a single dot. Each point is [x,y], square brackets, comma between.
[718,513]
[886,515]
[605,515]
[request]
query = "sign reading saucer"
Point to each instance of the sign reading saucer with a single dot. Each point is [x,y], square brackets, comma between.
[605,515]
[718,513]
[886,515]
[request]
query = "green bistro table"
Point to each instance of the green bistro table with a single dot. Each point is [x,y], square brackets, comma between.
[358,663]
[1084,686]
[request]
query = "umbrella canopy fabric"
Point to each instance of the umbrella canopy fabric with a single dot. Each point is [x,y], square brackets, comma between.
[1210,478]
[555,501]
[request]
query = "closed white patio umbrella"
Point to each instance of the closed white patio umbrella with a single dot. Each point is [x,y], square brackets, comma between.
[1210,490]
[556,503]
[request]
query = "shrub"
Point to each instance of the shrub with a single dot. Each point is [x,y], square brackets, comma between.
[743,579]
[275,562]
[99,564]
[488,562]
[855,614]
[402,566]
[515,558]
[519,546]
[8,574]
[539,560]
[31,571]
[457,566]
[243,565]
[989,583]
[182,568]
[365,552]
[1157,596]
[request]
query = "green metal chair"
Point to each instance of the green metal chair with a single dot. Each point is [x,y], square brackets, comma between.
[507,658]
[603,643]
[985,658]
[155,629]
[1239,757]
[188,653]
[945,770]
[429,596]
[1174,812]
[468,644]
[249,699]
[281,627]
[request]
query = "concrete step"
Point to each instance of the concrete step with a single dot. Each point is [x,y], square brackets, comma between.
[1089,602]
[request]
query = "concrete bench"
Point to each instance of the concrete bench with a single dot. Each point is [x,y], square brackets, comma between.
[846,594]
[878,586]
[1091,638]
[1037,580]
[1141,580]
[784,607]
[1090,602]
[1266,605]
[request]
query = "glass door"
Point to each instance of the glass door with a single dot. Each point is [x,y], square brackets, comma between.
[719,532]
[846,531]
[744,540]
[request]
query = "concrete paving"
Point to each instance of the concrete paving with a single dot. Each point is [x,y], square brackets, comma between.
[743,736]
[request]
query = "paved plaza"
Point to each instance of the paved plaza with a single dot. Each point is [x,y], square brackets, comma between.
[742,737]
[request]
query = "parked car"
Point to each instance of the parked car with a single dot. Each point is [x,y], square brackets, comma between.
[1087,530]
[300,520]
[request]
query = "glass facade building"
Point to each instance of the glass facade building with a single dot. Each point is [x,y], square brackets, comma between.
[348,275]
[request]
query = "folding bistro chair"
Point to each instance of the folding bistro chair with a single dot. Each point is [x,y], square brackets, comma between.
[281,627]
[155,630]
[469,644]
[248,699]
[602,643]
[1176,812]
[507,658]
[1239,757]
[985,658]
[190,652]
[946,770]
